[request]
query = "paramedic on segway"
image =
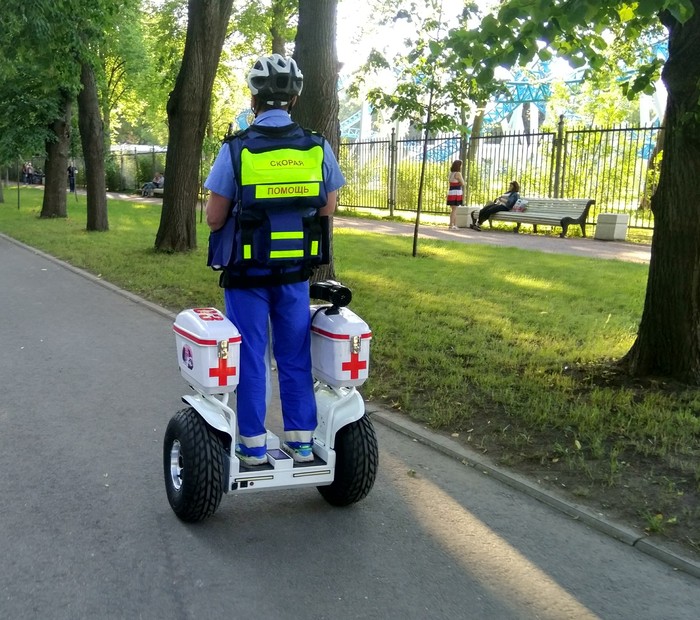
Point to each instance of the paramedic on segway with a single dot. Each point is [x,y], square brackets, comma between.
[272,187]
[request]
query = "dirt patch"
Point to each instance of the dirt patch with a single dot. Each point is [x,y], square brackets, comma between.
[642,493]
[659,496]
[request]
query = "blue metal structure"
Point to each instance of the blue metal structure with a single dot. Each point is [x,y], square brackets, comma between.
[348,127]
[243,119]
[533,85]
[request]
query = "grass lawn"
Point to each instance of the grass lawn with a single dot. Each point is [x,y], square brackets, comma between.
[508,350]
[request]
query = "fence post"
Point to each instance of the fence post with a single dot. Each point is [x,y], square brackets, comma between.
[122,179]
[558,147]
[392,171]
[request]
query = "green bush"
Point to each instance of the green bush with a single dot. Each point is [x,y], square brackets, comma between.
[113,175]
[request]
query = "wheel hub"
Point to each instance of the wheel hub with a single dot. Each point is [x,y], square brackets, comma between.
[176,465]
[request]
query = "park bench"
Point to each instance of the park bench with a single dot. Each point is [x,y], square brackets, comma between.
[549,211]
[203,193]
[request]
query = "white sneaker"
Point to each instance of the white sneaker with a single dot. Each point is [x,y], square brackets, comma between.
[301,453]
[250,460]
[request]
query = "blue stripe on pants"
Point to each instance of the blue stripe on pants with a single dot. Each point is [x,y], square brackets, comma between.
[287,306]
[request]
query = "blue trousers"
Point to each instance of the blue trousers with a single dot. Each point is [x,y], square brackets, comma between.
[287,307]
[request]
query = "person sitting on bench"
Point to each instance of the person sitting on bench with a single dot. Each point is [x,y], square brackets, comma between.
[503,203]
[157,182]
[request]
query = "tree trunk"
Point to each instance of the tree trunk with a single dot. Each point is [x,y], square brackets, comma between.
[463,137]
[92,141]
[317,57]
[653,165]
[472,152]
[668,341]
[424,161]
[278,27]
[56,164]
[188,111]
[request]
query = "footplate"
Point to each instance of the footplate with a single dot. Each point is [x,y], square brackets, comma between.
[282,472]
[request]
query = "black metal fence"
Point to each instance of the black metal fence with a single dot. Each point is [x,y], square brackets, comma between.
[126,169]
[610,165]
[130,167]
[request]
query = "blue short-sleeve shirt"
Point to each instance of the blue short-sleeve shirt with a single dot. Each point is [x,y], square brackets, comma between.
[221,177]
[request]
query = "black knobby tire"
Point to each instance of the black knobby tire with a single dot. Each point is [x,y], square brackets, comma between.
[193,465]
[356,462]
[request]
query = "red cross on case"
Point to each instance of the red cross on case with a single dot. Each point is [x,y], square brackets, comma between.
[223,371]
[354,366]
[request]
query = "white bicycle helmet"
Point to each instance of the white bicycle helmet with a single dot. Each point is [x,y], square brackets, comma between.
[275,79]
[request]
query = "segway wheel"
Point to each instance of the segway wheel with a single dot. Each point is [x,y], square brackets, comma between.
[356,461]
[193,465]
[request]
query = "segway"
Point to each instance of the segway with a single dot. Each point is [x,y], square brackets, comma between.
[199,460]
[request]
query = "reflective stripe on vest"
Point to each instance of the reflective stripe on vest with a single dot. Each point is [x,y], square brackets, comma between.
[286,244]
[283,173]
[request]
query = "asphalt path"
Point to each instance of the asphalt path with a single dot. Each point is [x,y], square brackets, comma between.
[576,246]
[90,382]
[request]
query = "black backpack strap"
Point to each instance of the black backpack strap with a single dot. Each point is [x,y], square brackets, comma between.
[238,278]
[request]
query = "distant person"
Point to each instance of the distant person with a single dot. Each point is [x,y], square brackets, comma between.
[30,173]
[503,203]
[455,194]
[157,182]
[72,171]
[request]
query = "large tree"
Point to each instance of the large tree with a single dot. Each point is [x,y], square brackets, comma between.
[25,116]
[98,26]
[128,76]
[54,50]
[92,138]
[263,25]
[668,340]
[55,164]
[188,113]
[39,78]
[317,57]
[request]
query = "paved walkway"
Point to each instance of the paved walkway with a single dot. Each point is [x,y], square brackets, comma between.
[91,381]
[613,250]
[576,246]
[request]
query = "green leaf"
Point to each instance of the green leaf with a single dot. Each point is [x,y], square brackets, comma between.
[435,48]
[508,14]
[626,13]
[682,10]
[489,25]
[485,76]
[578,12]
[648,7]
